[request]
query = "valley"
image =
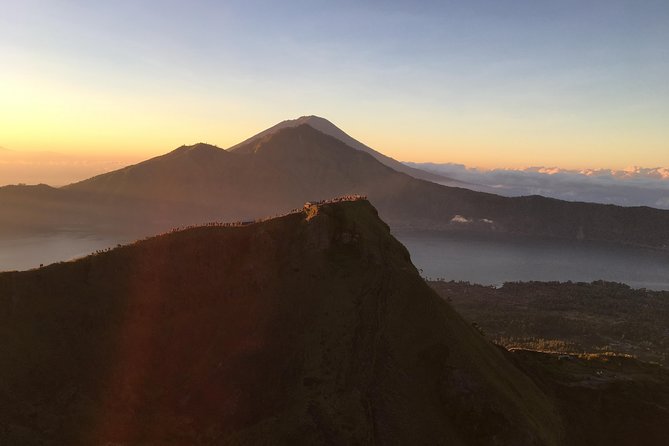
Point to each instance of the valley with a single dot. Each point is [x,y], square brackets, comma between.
[567,317]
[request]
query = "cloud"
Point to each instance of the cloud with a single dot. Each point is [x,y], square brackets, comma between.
[634,186]
[55,169]
[460,219]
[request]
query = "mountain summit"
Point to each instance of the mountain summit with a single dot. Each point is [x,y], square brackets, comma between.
[327,127]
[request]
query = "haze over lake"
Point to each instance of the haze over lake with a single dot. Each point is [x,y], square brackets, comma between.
[491,261]
[29,252]
[482,260]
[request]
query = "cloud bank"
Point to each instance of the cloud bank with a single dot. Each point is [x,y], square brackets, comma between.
[634,186]
[54,169]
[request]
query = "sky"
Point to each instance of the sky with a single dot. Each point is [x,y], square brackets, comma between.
[575,84]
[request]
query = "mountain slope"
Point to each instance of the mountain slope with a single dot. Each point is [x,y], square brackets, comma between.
[327,127]
[312,328]
[293,165]
[605,399]
[200,183]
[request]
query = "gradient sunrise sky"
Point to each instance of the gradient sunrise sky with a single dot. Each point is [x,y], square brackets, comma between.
[486,83]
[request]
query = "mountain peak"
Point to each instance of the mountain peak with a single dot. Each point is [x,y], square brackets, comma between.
[309,119]
[291,140]
[304,119]
[325,126]
[199,147]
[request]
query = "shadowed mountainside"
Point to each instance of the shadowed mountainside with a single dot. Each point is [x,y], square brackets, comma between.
[325,126]
[282,170]
[313,328]
[604,399]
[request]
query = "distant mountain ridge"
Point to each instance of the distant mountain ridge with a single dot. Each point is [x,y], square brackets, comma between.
[635,186]
[282,170]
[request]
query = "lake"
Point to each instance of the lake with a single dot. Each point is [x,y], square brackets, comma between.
[29,252]
[477,259]
[493,261]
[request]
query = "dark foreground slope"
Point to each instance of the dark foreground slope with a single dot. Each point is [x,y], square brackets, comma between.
[313,328]
[604,399]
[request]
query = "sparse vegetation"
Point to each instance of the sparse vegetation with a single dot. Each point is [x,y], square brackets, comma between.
[605,399]
[567,317]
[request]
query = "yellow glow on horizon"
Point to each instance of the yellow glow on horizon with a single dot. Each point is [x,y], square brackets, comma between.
[36,114]
[68,119]
[507,145]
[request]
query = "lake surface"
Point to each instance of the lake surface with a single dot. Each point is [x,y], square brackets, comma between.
[29,252]
[490,261]
[482,260]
